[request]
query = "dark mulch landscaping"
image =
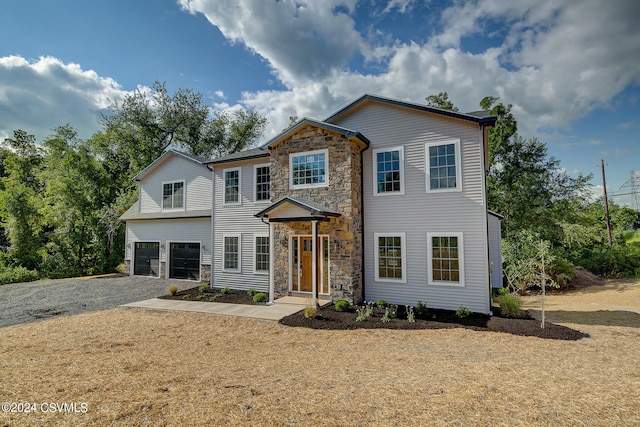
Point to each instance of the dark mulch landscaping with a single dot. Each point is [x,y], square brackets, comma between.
[328,318]
[231,296]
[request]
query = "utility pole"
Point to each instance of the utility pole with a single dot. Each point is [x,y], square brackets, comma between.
[606,205]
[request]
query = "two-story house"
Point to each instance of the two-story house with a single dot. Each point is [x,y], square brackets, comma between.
[385,199]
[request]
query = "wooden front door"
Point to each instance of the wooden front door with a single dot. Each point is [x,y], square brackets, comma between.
[302,264]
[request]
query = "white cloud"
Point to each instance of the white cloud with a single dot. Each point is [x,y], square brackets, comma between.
[37,96]
[555,61]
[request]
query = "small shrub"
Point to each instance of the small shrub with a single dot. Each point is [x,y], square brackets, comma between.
[342,305]
[421,309]
[200,297]
[362,314]
[411,317]
[225,291]
[310,312]
[185,296]
[462,312]
[212,298]
[204,287]
[173,289]
[386,318]
[510,305]
[17,275]
[260,297]
[251,292]
[500,291]
[392,310]
[381,303]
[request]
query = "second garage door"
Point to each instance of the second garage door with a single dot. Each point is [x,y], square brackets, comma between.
[185,261]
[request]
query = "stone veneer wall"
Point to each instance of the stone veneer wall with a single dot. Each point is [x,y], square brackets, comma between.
[343,194]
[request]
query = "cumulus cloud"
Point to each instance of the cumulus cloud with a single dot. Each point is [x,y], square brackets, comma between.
[555,61]
[36,96]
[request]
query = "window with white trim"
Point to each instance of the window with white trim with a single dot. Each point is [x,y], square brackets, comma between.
[443,166]
[445,259]
[390,257]
[388,165]
[231,186]
[263,183]
[231,252]
[173,195]
[309,169]
[261,254]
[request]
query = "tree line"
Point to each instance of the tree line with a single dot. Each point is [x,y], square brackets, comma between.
[61,198]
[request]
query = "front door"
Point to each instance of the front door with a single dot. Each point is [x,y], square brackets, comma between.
[147,256]
[302,264]
[185,261]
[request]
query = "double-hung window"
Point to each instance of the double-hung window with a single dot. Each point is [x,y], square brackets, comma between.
[390,257]
[263,182]
[388,166]
[231,186]
[231,252]
[445,259]
[443,166]
[173,195]
[309,169]
[261,251]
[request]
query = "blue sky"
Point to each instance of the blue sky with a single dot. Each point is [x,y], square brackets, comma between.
[571,68]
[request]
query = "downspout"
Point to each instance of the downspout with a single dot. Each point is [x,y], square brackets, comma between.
[362,257]
[485,171]
[213,203]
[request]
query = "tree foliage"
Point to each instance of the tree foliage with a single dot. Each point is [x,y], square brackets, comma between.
[442,101]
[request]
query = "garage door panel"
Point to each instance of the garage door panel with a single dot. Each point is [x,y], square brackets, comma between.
[185,261]
[147,259]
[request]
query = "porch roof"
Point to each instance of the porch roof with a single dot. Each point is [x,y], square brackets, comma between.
[294,209]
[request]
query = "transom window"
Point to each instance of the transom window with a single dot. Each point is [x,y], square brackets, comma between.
[390,257]
[173,195]
[445,263]
[261,254]
[232,186]
[389,170]
[309,169]
[443,166]
[231,253]
[263,182]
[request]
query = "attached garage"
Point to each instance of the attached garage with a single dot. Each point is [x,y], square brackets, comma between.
[184,261]
[147,259]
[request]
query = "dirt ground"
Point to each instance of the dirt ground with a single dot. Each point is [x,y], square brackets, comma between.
[141,367]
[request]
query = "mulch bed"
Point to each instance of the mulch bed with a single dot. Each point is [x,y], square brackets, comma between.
[328,318]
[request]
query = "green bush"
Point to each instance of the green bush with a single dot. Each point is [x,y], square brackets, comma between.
[204,287]
[510,305]
[310,312]
[225,291]
[260,297]
[381,303]
[17,275]
[342,305]
[421,309]
[463,312]
[562,272]
[252,291]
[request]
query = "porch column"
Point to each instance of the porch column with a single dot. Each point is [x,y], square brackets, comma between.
[314,262]
[271,258]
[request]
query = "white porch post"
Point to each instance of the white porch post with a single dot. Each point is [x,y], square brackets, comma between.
[314,262]
[271,258]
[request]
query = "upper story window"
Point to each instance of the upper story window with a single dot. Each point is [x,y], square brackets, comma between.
[309,169]
[443,166]
[173,195]
[388,165]
[231,186]
[263,182]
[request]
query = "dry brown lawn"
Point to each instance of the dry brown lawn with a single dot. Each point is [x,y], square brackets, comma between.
[141,367]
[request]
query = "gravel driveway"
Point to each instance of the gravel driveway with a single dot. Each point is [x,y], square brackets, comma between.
[28,302]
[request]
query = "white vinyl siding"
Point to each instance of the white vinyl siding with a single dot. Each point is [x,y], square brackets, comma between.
[232,185]
[231,253]
[238,220]
[443,166]
[421,211]
[262,185]
[390,257]
[388,165]
[445,259]
[309,169]
[261,253]
[197,185]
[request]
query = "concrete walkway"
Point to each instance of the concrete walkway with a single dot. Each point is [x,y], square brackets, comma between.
[281,307]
